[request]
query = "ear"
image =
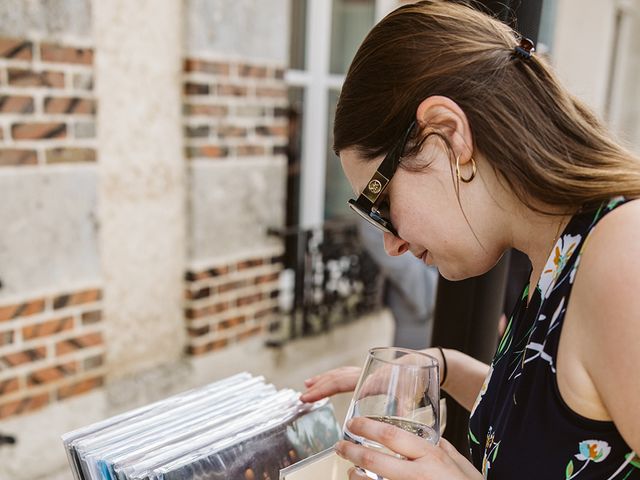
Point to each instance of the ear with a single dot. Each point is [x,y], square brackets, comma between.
[446,116]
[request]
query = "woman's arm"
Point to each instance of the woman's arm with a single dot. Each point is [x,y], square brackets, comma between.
[465,376]
[606,302]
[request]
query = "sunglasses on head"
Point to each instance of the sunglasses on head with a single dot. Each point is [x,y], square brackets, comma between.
[369,204]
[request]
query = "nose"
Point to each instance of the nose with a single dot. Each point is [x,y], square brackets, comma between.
[393,245]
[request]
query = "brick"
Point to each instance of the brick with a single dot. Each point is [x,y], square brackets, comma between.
[6,338]
[70,155]
[278,73]
[191,276]
[83,81]
[26,356]
[217,68]
[25,309]
[92,363]
[198,331]
[9,385]
[231,322]
[192,88]
[198,294]
[231,286]
[271,92]
[79,388]
[251,332]
[52,374]
[38,131]
[17,156]
[21,77]
[252,71]
[70,105]
[209,347]
[199,131]
[248,150]
[78,343]
[207,151]
[230,131]
[272,277]
[266,312]
[48,328]
[248,299]
[16,104]
[50,52]
[28,404]
[16,48]
[205,109]
[272,131]
[232,90]
[92,317]
[255,262]
[195,313]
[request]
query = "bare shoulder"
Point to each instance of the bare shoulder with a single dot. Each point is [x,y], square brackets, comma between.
[606,299]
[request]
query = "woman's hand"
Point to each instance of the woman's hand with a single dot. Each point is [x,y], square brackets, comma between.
[338,380]
[424,461]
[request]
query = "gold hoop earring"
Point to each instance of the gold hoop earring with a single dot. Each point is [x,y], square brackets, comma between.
[473,170]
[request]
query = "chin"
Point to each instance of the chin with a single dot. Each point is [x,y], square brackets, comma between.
[463,274]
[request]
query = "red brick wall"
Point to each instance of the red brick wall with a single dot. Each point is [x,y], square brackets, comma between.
[51,348]
[226,304]
[233,109]
[47,106]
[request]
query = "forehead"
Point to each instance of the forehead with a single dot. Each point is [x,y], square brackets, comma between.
[357,168]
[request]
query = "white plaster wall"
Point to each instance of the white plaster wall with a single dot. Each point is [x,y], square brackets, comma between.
[232,203]
[39,434]
[142,175]
[582,48]
[53,19]
[253,29]
[49,236]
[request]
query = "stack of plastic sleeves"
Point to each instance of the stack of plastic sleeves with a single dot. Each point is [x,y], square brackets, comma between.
[237,428]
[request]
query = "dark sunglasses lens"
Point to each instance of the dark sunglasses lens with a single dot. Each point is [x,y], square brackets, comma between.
[373,218]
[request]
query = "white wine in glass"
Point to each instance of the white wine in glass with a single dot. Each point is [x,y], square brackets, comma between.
[400,387]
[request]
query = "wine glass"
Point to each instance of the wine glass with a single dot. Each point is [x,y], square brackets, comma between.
[400,387]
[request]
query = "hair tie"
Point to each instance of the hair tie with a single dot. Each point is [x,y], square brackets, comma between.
[444,367]
[525,49]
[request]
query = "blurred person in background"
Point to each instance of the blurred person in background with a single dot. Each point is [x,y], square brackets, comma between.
[460,144]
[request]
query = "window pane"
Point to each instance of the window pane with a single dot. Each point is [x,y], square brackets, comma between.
[351,21]
[297,40]
[626,109]
[337,188]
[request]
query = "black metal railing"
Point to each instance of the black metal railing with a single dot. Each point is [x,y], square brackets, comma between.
[328,279]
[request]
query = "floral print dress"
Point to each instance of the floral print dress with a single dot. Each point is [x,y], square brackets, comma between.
[520,427]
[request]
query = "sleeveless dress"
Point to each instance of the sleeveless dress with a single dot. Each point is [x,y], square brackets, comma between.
[520,427]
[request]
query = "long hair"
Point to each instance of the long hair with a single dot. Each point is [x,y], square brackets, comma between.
[542,141]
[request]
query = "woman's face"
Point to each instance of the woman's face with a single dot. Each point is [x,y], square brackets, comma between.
[425,211]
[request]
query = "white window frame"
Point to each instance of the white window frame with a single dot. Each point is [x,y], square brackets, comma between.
[317,81]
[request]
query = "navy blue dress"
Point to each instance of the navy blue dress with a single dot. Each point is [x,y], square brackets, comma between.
[520,427]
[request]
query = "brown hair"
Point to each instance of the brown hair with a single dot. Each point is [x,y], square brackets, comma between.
[545,143]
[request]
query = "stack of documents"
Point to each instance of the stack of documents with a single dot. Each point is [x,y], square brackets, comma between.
[236,428]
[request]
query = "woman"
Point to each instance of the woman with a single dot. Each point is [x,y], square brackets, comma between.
[460,144]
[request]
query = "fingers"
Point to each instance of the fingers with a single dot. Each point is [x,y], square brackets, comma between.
[339,380]
[459,459]
[384,465]
[404,443]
